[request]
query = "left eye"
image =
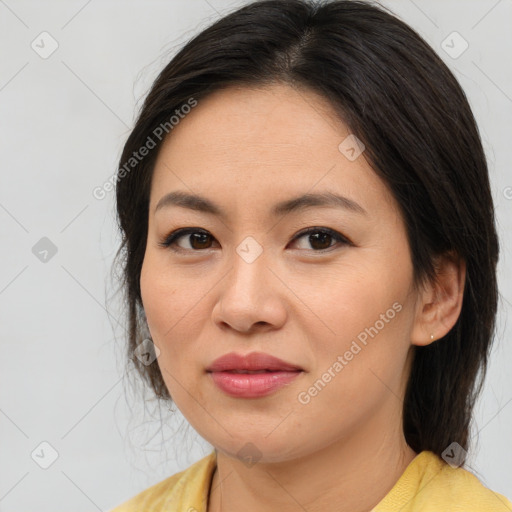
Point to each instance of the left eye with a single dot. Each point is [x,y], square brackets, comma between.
[319,238]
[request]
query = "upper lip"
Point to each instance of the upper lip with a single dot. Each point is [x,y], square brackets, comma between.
[252,361]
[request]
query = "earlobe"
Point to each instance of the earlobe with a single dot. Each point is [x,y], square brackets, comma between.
[440,303]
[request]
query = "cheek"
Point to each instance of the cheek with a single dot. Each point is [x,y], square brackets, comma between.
[164,298]
[362,315]
[160,304]
[173,310]
[162,311]
[155,295]
[351,300]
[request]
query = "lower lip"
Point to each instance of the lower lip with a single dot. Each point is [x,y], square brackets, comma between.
[252,385]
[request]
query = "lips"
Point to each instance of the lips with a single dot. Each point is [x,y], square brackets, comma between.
[255,362]
[254,375]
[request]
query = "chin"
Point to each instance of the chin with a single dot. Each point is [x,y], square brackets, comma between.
[258,448]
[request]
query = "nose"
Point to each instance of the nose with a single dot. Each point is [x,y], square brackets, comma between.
[251,297]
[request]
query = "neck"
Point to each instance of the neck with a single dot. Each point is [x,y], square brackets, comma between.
[353,473]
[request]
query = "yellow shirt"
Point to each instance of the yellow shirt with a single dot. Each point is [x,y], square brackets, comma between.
[428,484]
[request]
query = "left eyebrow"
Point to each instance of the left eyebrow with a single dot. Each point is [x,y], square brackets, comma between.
[322,199]
[300,203]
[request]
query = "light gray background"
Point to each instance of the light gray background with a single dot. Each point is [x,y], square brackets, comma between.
[64,120]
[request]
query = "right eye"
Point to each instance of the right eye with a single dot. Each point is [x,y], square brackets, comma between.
[198,239]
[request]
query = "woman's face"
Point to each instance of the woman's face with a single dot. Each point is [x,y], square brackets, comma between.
[342,311]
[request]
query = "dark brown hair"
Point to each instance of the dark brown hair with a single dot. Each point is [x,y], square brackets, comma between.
[398,97]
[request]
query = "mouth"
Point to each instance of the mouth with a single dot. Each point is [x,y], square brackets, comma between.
[253,383]
[251,372]
[254,375]
[255,362]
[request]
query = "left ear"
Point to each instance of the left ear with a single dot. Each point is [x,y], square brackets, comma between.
[440,302]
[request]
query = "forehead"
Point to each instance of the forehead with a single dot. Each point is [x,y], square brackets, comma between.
[260,120]
[262,142]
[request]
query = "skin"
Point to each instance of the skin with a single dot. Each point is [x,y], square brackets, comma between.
[247,149]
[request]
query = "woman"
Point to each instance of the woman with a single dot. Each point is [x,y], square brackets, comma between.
[327,376]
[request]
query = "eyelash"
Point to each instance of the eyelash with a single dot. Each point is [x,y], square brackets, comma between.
[170,240]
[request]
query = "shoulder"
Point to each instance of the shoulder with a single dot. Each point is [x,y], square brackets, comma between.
[463,488]
[185,490]
[429,484]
